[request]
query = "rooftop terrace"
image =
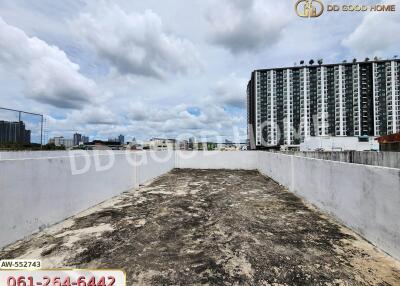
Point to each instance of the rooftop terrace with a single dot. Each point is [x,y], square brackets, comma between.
[216,227]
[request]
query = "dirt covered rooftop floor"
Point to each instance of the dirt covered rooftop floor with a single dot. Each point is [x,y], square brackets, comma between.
[212,227]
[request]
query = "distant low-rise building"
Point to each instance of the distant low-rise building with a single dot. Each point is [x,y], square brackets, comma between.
[389,143]
[161,144]
[184,145]
[61,141]
[230,146]
[104,145]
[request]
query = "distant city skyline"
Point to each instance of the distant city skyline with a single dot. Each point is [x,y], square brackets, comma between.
[142,69]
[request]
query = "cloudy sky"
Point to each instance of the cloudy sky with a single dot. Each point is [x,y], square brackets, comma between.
[165,68]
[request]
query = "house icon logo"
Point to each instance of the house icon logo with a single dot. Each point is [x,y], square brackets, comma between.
[309,8]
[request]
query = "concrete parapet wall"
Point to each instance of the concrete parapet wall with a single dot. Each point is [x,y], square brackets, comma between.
[10,155]
[42,191]
[38,192]
[7,155]
[154,164]
[383,159]
[245,160]
[365,198]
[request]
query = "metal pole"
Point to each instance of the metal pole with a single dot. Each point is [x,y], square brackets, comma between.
[9,109]
[41,134]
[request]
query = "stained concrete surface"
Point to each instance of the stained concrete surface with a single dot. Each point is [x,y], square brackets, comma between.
[211,227]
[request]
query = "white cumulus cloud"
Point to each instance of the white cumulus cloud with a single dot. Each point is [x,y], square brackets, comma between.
[134,43]
[231,91]
[247,26]
[49,76]
[377,34]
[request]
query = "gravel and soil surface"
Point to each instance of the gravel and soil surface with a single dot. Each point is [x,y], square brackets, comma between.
[211,227]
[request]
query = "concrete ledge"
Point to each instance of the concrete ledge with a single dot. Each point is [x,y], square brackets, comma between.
[365,198]
[42,191]
[216,160]
[38,192]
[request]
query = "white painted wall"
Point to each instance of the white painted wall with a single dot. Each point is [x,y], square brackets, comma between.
[42,191]
[53,154]
[154,164]
[365,198]
[245,160]
[374,158]
[31,154]
[276,166]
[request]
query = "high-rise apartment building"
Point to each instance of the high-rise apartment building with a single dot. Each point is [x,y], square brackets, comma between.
[14,132]
[121,139]
[77,139]
[85,139]
[287,105]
